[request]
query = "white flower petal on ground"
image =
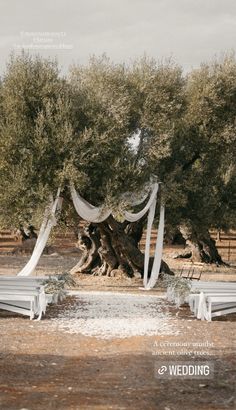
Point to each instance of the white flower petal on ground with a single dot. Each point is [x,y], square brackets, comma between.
[116,315]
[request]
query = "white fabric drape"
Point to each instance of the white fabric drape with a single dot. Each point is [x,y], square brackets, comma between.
[98,214]
[87,211]
[94,214]
[137,198]
[202,312]
[150,220]
[131,217]
[48,222]
[158,251]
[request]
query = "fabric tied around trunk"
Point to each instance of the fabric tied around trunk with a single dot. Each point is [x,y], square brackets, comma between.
[94,214]
[48,222]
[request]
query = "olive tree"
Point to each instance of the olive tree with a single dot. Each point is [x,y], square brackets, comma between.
[203,156]
[56,132]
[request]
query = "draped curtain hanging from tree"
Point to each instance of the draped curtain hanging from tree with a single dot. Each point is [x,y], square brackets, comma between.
[94,214]
[49,221]
[99,214]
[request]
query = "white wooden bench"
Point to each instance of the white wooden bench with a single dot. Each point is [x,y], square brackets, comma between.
[212,285]
[27,302]
[218,305]
[208,303]
[208,299]
[197,301]
[21,279]
[24,295]
[203,304]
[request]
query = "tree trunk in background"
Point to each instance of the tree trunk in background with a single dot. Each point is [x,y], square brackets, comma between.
[111,248]
[200,247]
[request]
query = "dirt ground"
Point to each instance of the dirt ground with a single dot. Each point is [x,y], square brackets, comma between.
[43,369]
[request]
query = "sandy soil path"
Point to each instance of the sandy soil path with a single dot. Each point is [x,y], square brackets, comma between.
[99,349]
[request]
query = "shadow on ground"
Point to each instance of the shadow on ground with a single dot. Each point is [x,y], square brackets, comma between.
[118,382]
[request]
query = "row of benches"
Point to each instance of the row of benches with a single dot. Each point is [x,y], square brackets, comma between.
[212,299]
[209,299]
[25,295]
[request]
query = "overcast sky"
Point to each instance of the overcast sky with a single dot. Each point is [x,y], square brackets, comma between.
[191,31]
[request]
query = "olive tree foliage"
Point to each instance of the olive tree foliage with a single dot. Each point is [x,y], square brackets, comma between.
[211,116]
[187,138]
[113,103]
[161,104]
[35,135]
[203,163]
[103,122]
[55,131]
[195,155]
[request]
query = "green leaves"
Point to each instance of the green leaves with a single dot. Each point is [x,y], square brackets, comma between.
[33,128]
[56,130]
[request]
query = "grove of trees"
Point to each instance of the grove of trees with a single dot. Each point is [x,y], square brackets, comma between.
[55,130]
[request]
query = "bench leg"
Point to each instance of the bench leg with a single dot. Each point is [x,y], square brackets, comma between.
[39,316]
[209,312]
[31,310]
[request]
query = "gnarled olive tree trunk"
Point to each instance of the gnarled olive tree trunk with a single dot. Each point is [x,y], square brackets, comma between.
[200,247]
[111,248]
